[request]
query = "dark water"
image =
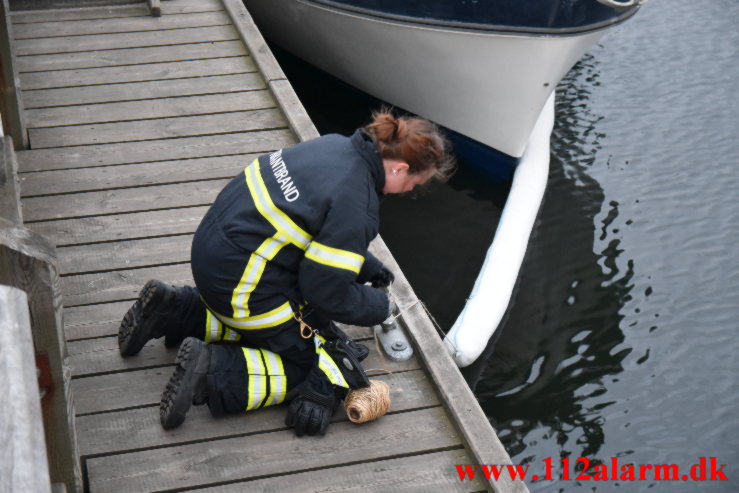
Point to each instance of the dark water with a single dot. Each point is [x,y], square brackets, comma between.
[623,337]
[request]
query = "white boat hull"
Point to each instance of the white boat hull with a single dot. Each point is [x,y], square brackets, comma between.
[488,86]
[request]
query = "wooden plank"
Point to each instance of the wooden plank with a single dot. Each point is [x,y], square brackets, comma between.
[159,128]
[152,108]
[253,39]
[125,254]
[132,91]
[132,429]
[132,56]
[108,392]
[272,453]
[81,13]
[123,200]
[77,13]
[119,25]
[94,320]
[91,321]
[98,356]
[106,287]
[133,175]
[116,41]
[136,73]
[435,471]
[135,225]
[153,150]
[23,463]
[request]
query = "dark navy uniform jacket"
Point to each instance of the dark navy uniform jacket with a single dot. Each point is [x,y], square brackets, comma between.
[294,227]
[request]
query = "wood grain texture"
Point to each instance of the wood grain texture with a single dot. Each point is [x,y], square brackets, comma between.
[94,320]
[153,108]
[119,25]
[132,429]
[125,254]
[154,129]
[197,193]
[133,91]
[154,150]
[134,73]
[28,262]
[10,202]
[278,452]
[98,356]
[117,41]
[133,175]
[86,289]
[132,56]
[112,11]
[23,463]
[130,226]
[12,103]
[123,200]
[432,472]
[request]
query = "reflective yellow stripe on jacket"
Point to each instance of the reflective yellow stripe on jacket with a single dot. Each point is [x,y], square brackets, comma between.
[272,318]
[341,259]
[253,273]
[281,222]
[287,232]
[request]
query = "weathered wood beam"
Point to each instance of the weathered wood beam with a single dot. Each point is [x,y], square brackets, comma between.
[154,8]
[28,262]
[23,464]
[10,203]
[11,89]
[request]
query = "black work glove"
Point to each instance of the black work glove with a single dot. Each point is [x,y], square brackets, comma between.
[382,278]
[313,404]
[332,331]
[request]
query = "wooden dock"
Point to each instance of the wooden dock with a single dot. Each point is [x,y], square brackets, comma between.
[134,124]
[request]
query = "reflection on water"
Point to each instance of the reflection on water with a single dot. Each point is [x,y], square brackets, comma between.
[622,340]
[563,336]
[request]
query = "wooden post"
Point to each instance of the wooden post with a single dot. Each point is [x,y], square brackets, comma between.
[28,262]
[10,199]
[11,87]
[23,463]
[156,10]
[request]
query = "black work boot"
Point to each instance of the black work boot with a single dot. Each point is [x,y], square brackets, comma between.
[187,384]
[147,318]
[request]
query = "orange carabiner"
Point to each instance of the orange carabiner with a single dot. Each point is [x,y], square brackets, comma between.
[306,331]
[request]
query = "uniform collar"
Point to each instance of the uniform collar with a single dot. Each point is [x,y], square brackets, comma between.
[363,143]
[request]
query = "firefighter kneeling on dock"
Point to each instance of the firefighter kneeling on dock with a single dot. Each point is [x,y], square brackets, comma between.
[280,255]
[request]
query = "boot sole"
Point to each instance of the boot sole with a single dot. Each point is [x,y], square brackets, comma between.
[178,394]
[133,333]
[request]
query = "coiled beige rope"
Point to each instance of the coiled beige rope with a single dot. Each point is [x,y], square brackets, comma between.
[369,403]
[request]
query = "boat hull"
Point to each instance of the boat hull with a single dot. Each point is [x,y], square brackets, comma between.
[488,86]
